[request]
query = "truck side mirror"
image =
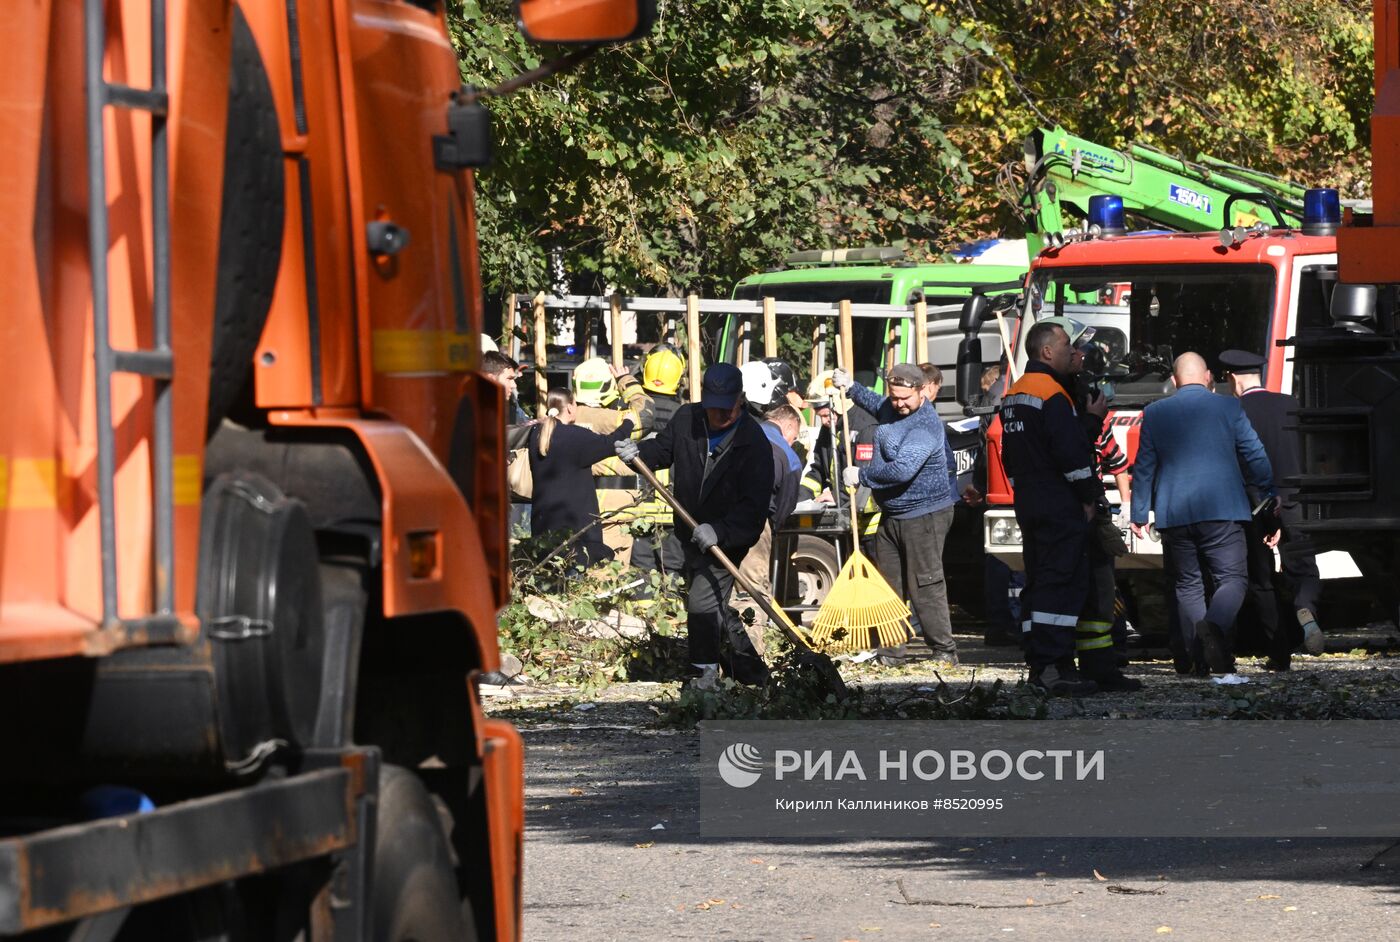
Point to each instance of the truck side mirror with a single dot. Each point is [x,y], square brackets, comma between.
[969,369]
[975,310]
[1354,307]
[584,22]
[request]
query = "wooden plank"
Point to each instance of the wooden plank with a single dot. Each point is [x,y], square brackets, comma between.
[846,351]
[541,355]
[770,327]
[921,331]
[615,329]
[742,339]
[583,333]
[818,334]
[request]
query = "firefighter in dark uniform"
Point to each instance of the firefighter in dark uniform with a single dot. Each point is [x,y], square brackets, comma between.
[1094,642]
[1269,413]
[1051,466]
[659,550]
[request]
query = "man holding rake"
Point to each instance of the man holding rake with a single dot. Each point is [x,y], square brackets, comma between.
[908,475]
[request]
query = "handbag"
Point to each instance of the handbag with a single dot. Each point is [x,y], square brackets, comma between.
[518,476]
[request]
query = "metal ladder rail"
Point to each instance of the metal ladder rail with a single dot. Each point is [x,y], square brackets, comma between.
[156,363]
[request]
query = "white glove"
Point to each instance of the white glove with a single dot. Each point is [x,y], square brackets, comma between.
[841,379]
[850,476]
[627,450]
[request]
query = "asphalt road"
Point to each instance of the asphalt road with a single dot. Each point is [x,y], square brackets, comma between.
[597,868]
[602,777]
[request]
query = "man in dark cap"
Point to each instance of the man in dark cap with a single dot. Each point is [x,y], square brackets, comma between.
[908,473]
[722,473]
[1269,413]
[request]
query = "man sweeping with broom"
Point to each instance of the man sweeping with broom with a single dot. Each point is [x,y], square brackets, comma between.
[908,475]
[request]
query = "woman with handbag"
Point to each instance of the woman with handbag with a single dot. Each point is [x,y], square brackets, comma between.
[561,459]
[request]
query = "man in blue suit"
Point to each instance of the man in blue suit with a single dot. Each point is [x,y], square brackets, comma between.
[1196,452]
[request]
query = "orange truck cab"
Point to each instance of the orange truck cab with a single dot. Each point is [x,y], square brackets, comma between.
[1153,296]
[252,494]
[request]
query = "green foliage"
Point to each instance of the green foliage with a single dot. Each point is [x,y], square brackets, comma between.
[559,649]
[739,131]
[736,131]
[795,692]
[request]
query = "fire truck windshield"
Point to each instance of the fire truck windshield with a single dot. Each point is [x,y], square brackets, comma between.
[1147,315]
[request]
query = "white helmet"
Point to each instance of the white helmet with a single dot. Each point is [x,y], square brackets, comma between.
[593,383]
[488,345]
[759,384]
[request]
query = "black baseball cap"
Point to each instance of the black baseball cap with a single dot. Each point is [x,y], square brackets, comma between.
[1241,361]
[722,386]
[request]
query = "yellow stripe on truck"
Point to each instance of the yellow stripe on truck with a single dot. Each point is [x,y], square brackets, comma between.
[420,351]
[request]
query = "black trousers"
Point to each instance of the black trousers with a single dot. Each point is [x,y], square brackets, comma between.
[1093,635]
[708,615]
[909,554]
[1055,548]
[1213,549]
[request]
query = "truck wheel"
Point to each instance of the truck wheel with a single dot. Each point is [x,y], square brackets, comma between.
[414,897]
[814,569]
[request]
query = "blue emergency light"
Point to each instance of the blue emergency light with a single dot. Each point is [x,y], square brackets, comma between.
[1322,211]
[1106,212]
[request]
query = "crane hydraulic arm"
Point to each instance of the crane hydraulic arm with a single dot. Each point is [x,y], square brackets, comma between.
[1168,191]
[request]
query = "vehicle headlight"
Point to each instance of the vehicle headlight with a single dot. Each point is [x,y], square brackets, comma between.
[1005,533]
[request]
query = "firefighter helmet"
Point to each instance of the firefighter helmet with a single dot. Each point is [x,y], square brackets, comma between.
[767,382]
[783,378]
[662,370]
[593,383]
[758,384]
[820,393]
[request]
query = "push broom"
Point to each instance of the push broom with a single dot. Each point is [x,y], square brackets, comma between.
[861,611]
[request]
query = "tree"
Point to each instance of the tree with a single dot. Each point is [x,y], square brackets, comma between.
[740,131]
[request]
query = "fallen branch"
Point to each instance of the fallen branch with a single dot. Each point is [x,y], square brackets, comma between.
[913,901]
[1132,891]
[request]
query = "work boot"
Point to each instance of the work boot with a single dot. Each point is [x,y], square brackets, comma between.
[1117,682]
[1213,644]
[1063,682]
[1101,666]
[1313,641]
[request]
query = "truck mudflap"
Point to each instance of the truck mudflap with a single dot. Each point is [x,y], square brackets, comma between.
[81,870]
[503,769]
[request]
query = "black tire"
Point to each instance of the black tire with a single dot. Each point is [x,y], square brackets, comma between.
[414,896]
[814,570]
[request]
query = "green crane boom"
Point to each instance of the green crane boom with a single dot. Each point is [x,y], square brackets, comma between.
[1166,191]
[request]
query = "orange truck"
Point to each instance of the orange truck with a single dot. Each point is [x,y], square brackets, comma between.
[252,489]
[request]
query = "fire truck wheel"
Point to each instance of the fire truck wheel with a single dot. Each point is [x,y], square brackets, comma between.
[815,568]
[415,889]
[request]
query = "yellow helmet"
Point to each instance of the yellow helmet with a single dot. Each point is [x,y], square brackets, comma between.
[820,392]
[593,383]
[662,370]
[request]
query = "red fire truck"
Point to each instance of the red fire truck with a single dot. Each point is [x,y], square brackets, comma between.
[1153,296]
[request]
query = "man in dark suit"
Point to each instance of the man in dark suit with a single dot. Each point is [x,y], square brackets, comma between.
[1269,413]
[1195,452]
[722,473]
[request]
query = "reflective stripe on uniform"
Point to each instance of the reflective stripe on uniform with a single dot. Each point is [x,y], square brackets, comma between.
[1023,399]
[1050,618]
[1079,474]
[1093,635]
[1025,627]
